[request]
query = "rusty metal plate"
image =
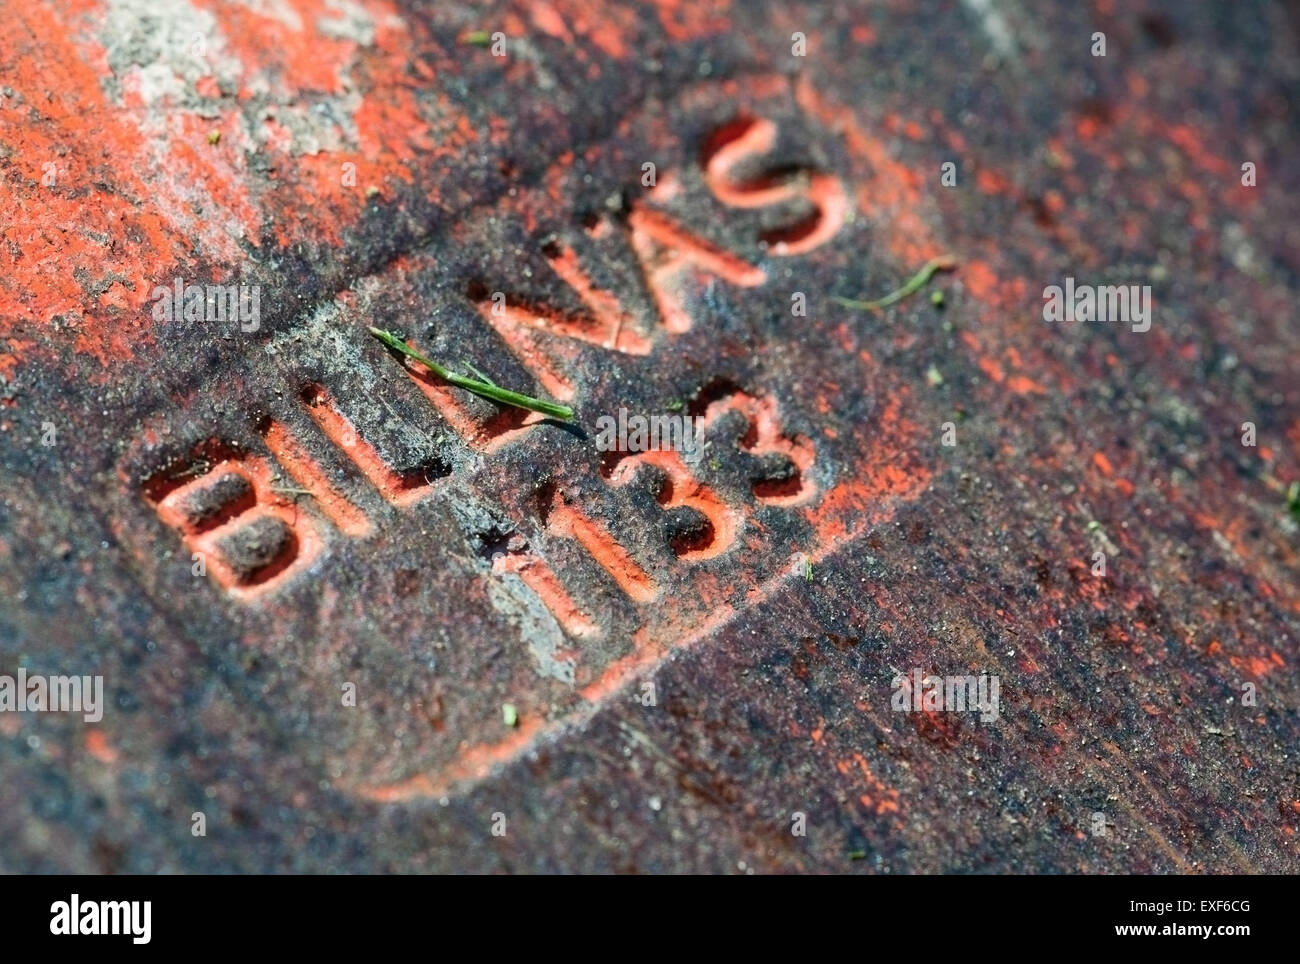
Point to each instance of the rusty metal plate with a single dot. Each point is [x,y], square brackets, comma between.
[350,617]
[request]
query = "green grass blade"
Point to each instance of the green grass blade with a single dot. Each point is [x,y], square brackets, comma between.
[914,284]
[481,387]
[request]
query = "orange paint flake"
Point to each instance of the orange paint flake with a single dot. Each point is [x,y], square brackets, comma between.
[97,746]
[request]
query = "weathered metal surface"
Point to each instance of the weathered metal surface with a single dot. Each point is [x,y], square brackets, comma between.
[698,652]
